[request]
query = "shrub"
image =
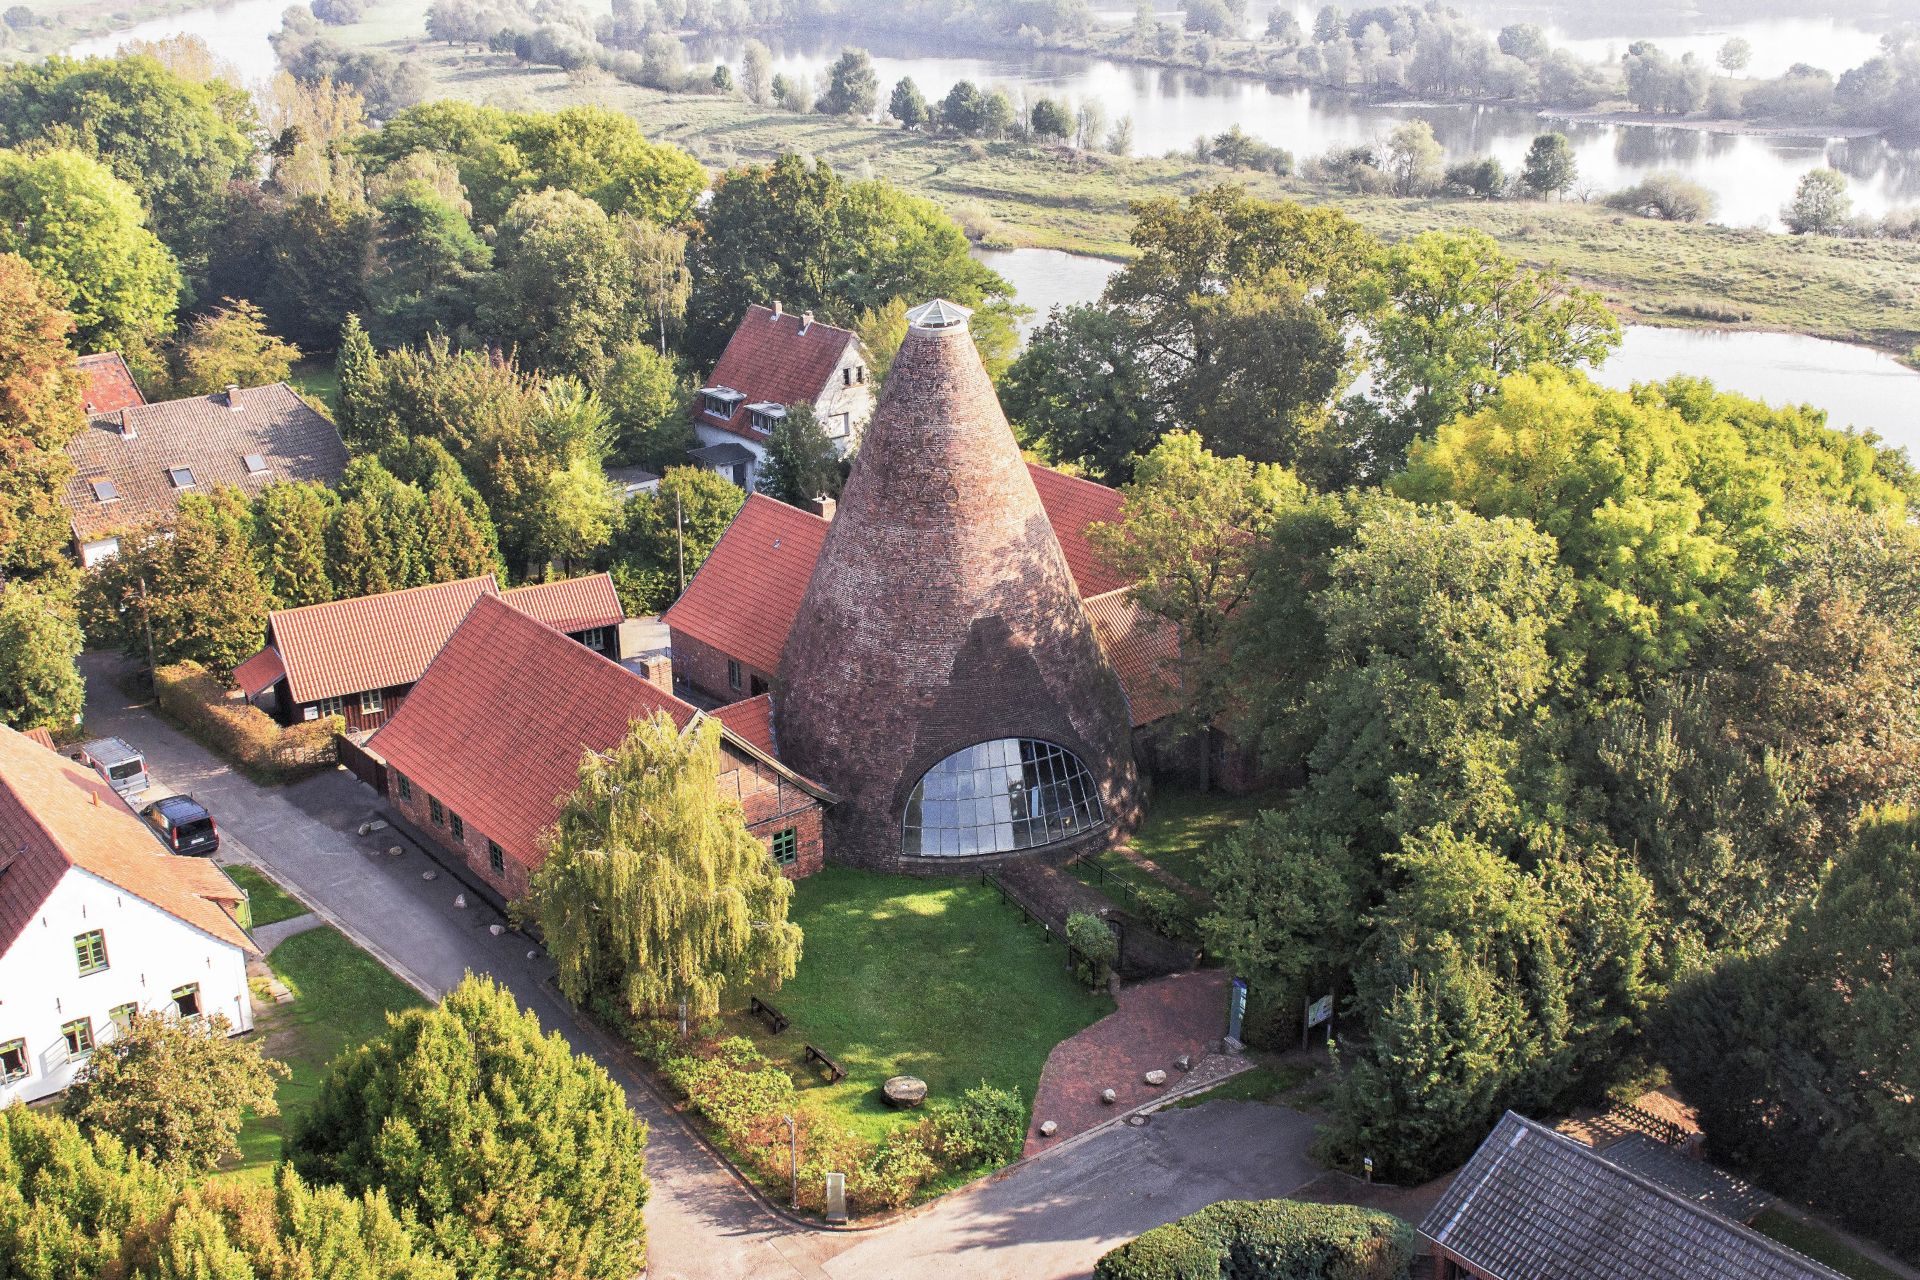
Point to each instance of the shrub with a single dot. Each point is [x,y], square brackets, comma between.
[1090,936]
[736,1087]
[1667,196]
[241,732]
[898,1168]
[1267,1240]
[987,1126]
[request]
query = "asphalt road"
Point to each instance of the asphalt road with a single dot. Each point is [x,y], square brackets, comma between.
[1045,1219]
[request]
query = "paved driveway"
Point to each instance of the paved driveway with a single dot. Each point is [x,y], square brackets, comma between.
[1046,1218]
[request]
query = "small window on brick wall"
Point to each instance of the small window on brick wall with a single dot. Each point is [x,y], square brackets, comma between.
[496,859]
[786,847]
[406,788]
[435,812]
[733,675]
[456,826]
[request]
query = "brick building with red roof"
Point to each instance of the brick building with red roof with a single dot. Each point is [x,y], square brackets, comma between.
[480,757]
[774,361]
[109,385]
[359,658]
[98,921]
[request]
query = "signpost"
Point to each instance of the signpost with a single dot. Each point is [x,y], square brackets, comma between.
[1236,1014]
[1318,1011]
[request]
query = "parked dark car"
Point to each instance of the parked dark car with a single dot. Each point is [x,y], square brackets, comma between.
[183,825]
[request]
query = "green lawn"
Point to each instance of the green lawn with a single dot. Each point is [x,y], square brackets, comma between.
[269,902]
[1261,1084]
[933,978]
[1817,1244]
[317,378]
[342,997]
[1181,826]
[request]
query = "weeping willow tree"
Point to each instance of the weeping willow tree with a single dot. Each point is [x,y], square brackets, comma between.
[653,890]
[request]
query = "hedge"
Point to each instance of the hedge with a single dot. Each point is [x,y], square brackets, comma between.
[240,731]
[1267,1240]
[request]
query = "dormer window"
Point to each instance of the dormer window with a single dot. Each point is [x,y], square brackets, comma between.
[720,401]
[256,464]
[765,416]
[104,490]
[180,477]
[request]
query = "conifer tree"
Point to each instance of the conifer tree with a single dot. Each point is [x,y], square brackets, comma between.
[357,408]
[290,531]
[519,1159]
[453,544]
[67,1201]
[653,891]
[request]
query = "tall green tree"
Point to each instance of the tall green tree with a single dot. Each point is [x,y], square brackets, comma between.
[84,232]
[908,105]
[428,265]
[561,292]
[664,535]
[518,1159]
[653,893]
[69,1202]
[194,590]
[649,406]
[290,522]
[374,537]
[852,85]
[1286,908]
[174,1092]
[1550,168]
[802,462]
[40,412]
[1820,204]
[231,345]
[40,642]
[1081,392]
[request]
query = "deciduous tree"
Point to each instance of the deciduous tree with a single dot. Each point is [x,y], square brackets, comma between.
[649,404]
[653,892]
[231,345]
[40,412]
[1550,168]
[852,85]
[664,535]
[40,687]
[802,462]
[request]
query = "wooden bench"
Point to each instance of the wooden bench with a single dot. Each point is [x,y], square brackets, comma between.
[815,1058]
[776,1021]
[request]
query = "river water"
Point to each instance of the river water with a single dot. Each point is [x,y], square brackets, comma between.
[1857,386]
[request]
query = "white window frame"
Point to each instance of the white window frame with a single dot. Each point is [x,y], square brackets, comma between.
[595,638]
[373,702]
[332,706]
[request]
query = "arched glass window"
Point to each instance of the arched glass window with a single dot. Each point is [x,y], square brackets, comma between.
[992,797]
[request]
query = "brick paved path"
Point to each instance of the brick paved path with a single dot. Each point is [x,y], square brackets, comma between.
[1156,1022]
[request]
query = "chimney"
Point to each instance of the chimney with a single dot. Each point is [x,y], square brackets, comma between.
[822,506]
[806,320]
[126,425]
[657,670]
[778,309]
[233,396]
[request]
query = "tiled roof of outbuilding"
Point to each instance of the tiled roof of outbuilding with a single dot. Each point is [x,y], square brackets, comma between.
[1072,504]
[1533,1203]
[743,599]
[770,359]
[573,605]
[56,814]
[109,383]
[370,642]
[42,737]
[204,435]
[259,673]
[750,720]
[1144,649]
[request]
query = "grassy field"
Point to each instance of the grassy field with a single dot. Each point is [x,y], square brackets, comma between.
[1261,1084]
[1817,1244]
[1181,826]
[342,997]
[933,978]
[1012,193]
[270,903]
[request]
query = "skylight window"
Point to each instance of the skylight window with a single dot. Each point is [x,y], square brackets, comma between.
[105,490]
[182,477]
[256,464]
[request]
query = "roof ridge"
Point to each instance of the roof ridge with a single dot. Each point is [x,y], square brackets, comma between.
[382,595]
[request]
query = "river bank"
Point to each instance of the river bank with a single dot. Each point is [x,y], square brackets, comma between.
[1012,194]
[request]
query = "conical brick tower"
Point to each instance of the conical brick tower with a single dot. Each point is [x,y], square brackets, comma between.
[942,676]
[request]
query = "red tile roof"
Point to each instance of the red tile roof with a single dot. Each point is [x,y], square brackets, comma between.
[745,595]
[370,642]
[769,359]
[42,737]
[496,727]
[259,673]
[573,605]
[751,721]
[1072,504]
[1144,649]
[56,815]
[109,383]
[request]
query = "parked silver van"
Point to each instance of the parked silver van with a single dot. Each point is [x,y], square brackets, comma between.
[124,768]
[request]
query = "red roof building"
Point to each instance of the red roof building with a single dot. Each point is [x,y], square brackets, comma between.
[488,745]
[1145,651]
[109,385]
[774,361]
[358,658]
[97,920]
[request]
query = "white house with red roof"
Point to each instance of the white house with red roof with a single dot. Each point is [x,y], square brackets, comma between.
[97,921]
[774,361]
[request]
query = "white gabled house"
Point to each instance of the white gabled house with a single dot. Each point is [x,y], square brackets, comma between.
[97,921]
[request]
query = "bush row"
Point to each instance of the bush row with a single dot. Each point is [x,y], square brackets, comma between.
[746,1098]
[241,732]
[1267,1240]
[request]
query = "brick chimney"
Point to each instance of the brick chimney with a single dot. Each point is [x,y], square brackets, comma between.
[778,309]
[822,506]
[657,670]
[233,396]
[125,424]
[806,321]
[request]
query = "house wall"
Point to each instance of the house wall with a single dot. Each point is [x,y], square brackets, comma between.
[98,552]
[772,804]
[149,953]
[705,433]
[471,850]
[291,712]
[704,667]
[851,396]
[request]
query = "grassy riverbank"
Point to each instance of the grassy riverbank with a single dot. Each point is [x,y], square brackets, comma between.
[62,22]
[1014,194]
